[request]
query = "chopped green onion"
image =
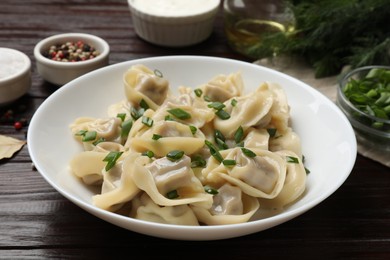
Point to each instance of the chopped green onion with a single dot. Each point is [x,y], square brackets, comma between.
[292,159]
[169,118]
[143,104]
[175,155]
[233,102]
[158,73]
[126,127]
[198,92]
[210,190]
[239,134]
[89,136]
[193,129]
[228,162]
[135,114]
[147,121]
[216,105]
[156,137]
[179,113]
[198,161]
[248,152]
[221,144]
[111,159]
[271,132]
[149,154]
[172,195]
[98,141]
[207,98]
[218,134]
[222,114]
[214,151]
[122,116]
[307,170]
[81,133]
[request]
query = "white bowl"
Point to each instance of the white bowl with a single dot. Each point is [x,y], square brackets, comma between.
[173,23]
[58,72]
[328,140]
[15,75]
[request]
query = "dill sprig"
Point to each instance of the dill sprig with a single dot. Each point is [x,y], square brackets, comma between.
[333,33]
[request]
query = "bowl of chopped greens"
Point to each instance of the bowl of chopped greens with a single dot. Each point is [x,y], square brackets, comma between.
[364,96]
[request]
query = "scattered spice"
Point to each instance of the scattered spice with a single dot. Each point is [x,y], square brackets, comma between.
[71,52]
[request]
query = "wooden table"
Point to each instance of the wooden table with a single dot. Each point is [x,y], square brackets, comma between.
[37,222]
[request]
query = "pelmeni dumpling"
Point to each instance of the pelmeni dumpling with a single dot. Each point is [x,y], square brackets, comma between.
[118,185]
[252,110]
[260,176]
[143,207]
[172,135]
[223,87]
[230,206]
[160,177]
[295,182]
[92,172]
[142,83]
[257,138]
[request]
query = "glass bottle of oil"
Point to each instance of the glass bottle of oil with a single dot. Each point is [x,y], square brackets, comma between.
[248,21]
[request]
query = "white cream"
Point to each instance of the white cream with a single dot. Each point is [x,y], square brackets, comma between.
[175,7]
[11,62]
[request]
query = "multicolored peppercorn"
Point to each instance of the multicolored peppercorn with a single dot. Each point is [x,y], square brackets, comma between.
[71,52]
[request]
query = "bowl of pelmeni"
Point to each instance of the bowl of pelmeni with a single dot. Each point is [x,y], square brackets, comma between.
[192,147]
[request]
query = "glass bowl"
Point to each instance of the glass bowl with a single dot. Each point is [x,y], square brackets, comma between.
[364,96]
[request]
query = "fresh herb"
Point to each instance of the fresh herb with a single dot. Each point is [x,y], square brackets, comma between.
[175,155]
[98,141]
[156,137]
[248,152]
[147,121]
[210,190]
[126,127]
[222,114]
[193,129]
[111,159]
[172,195]
[169,118]
[292,159]
[332,34]
[214,151]
[143,104]
[271,132]
[179,113]
[122,116]
[198,161]
[198,92]
[228,162]
[233,102]
[149,154]
[238,135]
[87,135]
[158,73]
[136,113]
[216,105]
[371,94]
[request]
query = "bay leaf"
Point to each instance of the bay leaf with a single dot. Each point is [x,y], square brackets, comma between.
[9,146]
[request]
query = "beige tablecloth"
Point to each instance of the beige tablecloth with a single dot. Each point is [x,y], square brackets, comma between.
[327,86]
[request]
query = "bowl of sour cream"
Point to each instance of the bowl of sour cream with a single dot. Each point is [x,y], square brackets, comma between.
[173,23]
[15,75]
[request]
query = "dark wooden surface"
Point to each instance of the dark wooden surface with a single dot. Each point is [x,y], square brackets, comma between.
[36,222]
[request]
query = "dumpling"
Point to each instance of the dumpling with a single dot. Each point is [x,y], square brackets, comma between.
[257,138]
[118,186]
[142,83]
[172,135]
[261,174]
[162,178]
[252,110]
[295,182]
[144,208]
[230,206]
[223,87]
[288,140]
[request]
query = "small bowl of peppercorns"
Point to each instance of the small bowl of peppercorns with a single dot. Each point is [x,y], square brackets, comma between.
[63,57]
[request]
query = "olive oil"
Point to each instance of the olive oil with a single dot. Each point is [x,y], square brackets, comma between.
[246,26]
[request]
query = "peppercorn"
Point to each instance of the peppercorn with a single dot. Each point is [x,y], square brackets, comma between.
[71,52]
